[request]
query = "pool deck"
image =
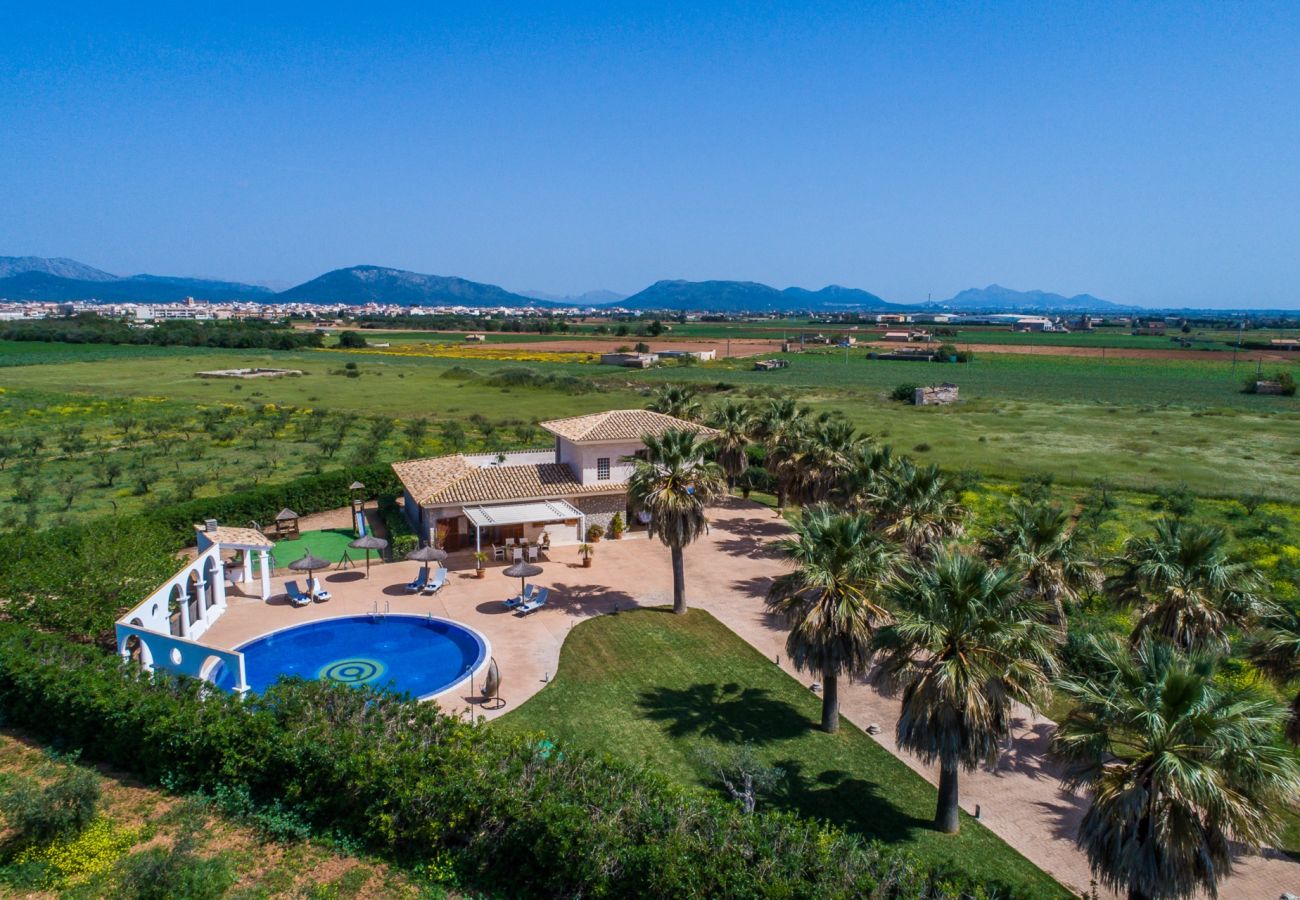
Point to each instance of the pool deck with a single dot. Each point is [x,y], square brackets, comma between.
[727,574]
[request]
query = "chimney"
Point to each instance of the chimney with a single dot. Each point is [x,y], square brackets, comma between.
[209,525]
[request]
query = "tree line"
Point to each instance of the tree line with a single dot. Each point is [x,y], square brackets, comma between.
[89,328]
[1178,761]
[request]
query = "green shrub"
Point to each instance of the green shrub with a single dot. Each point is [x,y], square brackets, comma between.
[170,873]
[406,780]
[904,393]
[61,809]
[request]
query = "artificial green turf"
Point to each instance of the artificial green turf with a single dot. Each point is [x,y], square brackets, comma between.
[329,544]
[647,687]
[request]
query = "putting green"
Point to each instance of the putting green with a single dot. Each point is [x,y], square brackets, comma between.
[329,544]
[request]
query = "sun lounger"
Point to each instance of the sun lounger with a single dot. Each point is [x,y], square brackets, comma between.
[538,601]
[420,581]
[318,593]
[295,594]
[529,593]
[439,579]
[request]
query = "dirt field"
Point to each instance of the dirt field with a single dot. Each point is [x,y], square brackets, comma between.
[1106,352]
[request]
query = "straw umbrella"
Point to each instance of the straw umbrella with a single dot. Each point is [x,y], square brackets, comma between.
[368,542]
[427,554]
[309,564]
[522,570]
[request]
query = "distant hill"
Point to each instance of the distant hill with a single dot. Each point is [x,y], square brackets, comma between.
[587,298]
[996,297]
[58,266]
[375,284]
[750,296]
[40,285]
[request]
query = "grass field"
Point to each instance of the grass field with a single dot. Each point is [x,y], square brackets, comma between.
[649,687]
[1139,423]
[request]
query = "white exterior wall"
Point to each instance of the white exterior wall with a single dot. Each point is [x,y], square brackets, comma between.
[581,459]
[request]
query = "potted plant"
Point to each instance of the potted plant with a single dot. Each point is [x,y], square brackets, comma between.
[586,550]
[595,533]
[616,527]
[480,557]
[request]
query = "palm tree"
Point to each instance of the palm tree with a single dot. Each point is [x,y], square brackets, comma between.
[965,646]
[1037,540]
[674,484]
[734,423]
[867,470]
[917,506]
[1276,651]
[779,426]
[678,401]
[824,457]
[1188,590]
[830,601]
[1178,764]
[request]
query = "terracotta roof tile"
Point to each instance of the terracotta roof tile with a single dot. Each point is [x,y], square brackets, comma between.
[225,534]
[619,425]
[452,480]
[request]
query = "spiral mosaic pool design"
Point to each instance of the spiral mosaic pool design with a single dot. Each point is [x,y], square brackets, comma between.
[416,655]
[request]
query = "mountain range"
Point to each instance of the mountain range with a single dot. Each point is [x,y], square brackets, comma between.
[38,278]
[995,296]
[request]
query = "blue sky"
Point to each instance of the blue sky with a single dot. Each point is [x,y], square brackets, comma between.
[1146,153]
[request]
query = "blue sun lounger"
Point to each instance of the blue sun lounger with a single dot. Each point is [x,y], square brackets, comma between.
[439,579]
[295,594]
[538,601]
[529,593]
[420,581]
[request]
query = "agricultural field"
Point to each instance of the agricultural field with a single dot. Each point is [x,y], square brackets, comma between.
[1137,423]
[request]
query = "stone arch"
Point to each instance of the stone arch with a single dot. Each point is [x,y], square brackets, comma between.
[194,596]
[175,597]
[211,572]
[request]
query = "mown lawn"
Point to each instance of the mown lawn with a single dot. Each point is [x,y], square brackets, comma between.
[649,688]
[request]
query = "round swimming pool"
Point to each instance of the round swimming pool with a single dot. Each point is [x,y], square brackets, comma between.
[417,655]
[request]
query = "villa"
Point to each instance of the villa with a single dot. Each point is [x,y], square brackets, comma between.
[462,501]
[453,502]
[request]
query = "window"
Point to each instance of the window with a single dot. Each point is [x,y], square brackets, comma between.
[602,469]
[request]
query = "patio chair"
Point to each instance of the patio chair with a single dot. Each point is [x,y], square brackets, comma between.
[538,601]
[499,552]
[295,594]
[532,552]
[318,593]
[420,581]
[517,554]
[529,593]
[439,579]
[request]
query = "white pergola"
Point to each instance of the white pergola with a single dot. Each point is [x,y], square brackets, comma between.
[538,512]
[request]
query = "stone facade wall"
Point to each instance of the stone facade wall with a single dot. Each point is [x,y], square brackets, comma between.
[600,509]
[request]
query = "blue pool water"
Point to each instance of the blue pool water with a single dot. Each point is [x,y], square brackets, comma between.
[417,655]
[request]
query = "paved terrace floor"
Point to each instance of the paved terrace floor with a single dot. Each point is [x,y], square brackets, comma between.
[727,573]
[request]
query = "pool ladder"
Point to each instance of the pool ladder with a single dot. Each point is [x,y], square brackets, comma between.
[376,615]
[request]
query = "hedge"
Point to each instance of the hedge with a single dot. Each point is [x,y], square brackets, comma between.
[497,813]
[306,495]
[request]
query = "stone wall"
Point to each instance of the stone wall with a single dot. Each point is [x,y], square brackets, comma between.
[600,509]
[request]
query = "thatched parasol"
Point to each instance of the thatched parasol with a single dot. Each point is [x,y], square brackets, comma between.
[309,564]
[522,570]
[368,542]
[427,554]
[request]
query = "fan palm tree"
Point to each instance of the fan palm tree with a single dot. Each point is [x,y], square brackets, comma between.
[678,401]
[1188,590]
[779,426]
[734,423]
[965,646]
[831,599]
[1037,540]
[1178,765]
[823,459]
[917,507]
[674,484]
[868,468]
[1276,651]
